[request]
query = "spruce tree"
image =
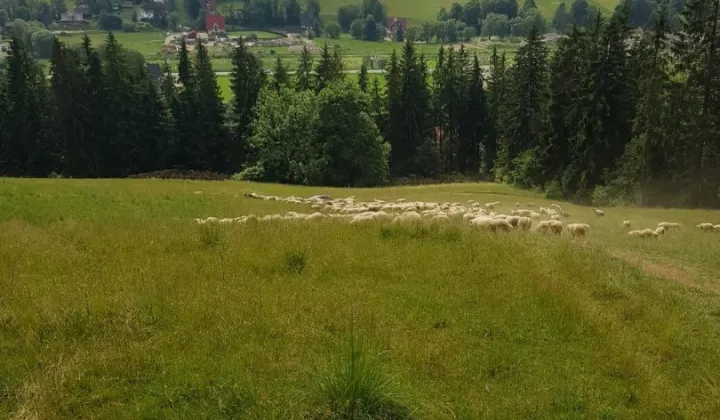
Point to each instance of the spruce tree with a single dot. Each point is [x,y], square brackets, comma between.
[214,141]
[329,68]
[607,102]
[525,122]
[247,80]
[280,75]
[25,150]
[363,78]
[67,96]
[185,114]
[568,67]
[94,109]
[303,76]
[409,110]
[698,64]
[116,153]
[496,97]
[646,156]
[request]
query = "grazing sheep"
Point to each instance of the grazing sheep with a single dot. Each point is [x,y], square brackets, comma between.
[517,204]
[716,228]
[530,205]
[361,219]
[578,229]
[490,206]
[440,218]
[636,233]
[524,223]
[599,212]
[211,220]
[649,233]
[660,231]
[550,226]
[524,213]
[408,217]
[534,215]
[480,222]
[626,223]
[555,206]
[315,216]
[556,226]
[497,225]
[667,225]
[554,217]
[513,220]
[706,226]
[225,221]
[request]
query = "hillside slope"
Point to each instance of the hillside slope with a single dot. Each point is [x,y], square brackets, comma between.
[422,10]
[115,304]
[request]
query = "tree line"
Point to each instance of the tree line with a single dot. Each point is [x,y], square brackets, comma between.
[612,115]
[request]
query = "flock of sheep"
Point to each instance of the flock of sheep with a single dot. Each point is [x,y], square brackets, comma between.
[474,214]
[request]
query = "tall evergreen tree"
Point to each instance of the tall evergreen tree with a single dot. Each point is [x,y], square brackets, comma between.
[280,75]
[247,81]
[496,97]
[648,153]
[185,114]
[363,78]
[567,70]
[94,108]
[211,119]
[409,110]
[25,150]
[303,76]
[526,121]
[329,68]
[607,102]
[698,64]
[67,96]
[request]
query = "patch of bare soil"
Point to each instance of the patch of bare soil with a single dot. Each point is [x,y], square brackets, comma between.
[678,275]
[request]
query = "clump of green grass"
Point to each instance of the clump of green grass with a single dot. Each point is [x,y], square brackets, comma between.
[295,260]
[357,388]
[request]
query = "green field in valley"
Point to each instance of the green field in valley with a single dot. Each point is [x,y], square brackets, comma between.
[426,10]
[116,304]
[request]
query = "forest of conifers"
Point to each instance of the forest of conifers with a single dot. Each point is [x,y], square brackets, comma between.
[613,115]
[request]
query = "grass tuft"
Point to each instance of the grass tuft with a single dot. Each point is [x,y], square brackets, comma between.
[357,388]
[296,260]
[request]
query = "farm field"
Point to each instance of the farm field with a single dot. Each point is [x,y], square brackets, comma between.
[115,304]
[426,10]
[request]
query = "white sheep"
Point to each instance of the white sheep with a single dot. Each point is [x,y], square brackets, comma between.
[626,224]
[636,233]
[408,217]
[524,223]
[440,218]
[498,225]
[555,206]
[554,217]
[706,226]
[660,231]
[513,220]
[599,212]
[649,233]
[716,228]
[578,229]
[550,226]
[315,216]
[361,219]
[667,225]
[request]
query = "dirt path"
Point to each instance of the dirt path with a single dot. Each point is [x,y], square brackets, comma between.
[680,275]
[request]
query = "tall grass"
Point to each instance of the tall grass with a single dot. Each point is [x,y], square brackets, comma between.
[114,304]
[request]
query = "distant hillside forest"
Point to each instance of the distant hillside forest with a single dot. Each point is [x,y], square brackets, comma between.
[613,115]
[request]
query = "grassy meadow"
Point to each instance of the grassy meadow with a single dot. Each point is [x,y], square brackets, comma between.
[426,10]
[114,304]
